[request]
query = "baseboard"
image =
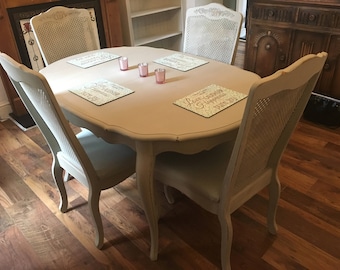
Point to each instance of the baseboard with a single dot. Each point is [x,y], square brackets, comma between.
[5,110]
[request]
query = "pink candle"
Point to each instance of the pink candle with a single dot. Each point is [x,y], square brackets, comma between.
[160,75]
[143,69]
[123,63]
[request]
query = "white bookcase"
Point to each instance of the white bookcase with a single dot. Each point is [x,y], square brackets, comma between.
[156,23]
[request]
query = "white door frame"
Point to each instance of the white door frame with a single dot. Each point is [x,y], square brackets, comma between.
[241,6]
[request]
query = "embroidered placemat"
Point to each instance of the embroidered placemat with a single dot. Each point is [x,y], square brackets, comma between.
[101,91]
[181,62]
[210,100]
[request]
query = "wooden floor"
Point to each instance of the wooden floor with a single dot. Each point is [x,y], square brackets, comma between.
[35,235]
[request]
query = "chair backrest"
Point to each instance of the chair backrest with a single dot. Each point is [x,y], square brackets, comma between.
[37,96]
[62,32]
[212,31]
[274,107]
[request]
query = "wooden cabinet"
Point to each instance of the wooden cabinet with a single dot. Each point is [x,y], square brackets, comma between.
[154,23]
[280,32]
[111,24]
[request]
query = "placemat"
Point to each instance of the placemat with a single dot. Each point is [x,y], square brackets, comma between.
[92,59]
[181,62]
[101,91]
[210,100]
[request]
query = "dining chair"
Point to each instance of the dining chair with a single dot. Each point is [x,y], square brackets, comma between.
[93,162]
[63,31]
[222,179]
[212,31]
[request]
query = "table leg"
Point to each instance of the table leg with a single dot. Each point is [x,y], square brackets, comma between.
[145,182]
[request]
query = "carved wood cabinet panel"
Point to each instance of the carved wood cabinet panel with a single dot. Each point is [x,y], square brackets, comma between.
[280,32]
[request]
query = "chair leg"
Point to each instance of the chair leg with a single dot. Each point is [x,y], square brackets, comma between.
[57,173]
[93,201]
[226,239]
[274,196]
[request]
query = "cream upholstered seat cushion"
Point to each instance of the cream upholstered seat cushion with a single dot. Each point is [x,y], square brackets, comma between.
[100,155]
[192,167]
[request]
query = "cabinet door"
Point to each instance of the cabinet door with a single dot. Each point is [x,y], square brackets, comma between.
[329,82]
[267,49]
[305,42]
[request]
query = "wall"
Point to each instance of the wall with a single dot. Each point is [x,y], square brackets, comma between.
[195,3]
[230,4]
[5,107]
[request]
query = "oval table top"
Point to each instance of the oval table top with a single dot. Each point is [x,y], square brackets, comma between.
[149,113]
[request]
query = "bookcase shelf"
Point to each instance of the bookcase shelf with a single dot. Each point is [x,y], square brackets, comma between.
[152,23]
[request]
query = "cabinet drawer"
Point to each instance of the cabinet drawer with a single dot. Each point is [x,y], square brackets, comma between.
[318,17]
[271,13]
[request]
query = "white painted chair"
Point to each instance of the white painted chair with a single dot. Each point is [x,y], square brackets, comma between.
[63,31]
[93,162]
[212,31]
[222,179]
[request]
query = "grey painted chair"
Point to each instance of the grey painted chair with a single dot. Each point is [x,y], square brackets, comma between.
[224,178]
[212,31]
[93,162]
[63,31]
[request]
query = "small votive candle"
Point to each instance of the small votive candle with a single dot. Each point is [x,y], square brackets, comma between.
[143,69]
[160,75]
[123,63]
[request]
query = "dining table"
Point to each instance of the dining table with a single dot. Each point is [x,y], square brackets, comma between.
[146,116]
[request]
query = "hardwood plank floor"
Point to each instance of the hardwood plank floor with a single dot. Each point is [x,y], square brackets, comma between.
[35,235]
